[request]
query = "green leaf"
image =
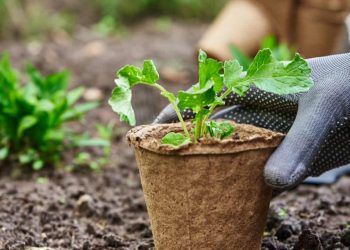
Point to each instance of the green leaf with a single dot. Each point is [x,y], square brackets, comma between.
[8,80]
[274,76]
[209,70]
[78,110]
[92,142]
[38,164]
[44,105]
[237,54]
[57,82]
[220,130]
[56,135]
[25,158]
[232,73]
[4,152]
[26,123]
[82,158]
[282,213]
[42,180]
[195,98]
[74,95]
[128,76]
[120,102]
[47,85]
[95,166]
[175,139]
[149,72]
[134,75]
[131,73]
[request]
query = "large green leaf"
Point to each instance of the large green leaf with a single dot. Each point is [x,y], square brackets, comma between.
[274,76]
[129,76]
[74,95]
[209,70]
[120,102]
[4,153]
[149,72]
[26,123]
[46,86]
[134,75]
[78,110]
[232,73]
[195,98]
[8,79]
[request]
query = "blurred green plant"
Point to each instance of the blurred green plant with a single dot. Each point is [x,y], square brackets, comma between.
[122,10]
[33,117]
[32,20]
[280,51]
[113,14]
[40,19]
[86,159]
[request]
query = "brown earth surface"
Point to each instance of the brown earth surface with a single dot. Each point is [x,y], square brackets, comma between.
[106,209]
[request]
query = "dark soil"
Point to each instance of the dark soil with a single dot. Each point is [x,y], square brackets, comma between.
[106,210]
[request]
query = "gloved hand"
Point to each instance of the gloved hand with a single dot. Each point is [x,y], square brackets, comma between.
[317,122]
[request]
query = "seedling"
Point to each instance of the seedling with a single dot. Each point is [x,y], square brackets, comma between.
[217,80]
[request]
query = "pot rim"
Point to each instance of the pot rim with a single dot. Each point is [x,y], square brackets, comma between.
[148,137]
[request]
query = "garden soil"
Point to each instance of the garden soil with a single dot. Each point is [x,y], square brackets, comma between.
[106,209]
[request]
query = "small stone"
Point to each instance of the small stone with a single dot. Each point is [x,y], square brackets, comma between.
[145,246]
[114,217]
[85,205]
[345,238]
[308,241]
[271,244]
[112,240]
[90,229]
[86,245]
[146,233]
[12,191]
[137,227]
[284,232]
[93,49]
[93,94]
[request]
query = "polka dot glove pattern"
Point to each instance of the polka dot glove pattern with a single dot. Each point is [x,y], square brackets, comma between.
[317,122]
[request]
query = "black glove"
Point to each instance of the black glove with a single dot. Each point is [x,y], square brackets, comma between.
[317,122]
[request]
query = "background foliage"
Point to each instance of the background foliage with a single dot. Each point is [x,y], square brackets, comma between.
[41,19]
[34,112]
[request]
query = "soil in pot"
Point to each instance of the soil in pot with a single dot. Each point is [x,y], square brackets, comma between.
[208,195]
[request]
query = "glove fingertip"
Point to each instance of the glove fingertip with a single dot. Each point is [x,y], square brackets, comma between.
[284,177]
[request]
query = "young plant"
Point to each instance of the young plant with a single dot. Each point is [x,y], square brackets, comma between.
[33,116]
[217,80]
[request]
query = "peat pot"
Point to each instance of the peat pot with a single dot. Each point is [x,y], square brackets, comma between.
[208,195]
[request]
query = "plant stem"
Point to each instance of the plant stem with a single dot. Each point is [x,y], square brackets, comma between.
[183,124]
[211,109]
[197,130]
[176,109]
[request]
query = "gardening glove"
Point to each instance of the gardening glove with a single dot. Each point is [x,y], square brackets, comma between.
[317,122]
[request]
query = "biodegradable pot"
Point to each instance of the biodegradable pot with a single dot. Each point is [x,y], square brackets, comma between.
[209,195]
